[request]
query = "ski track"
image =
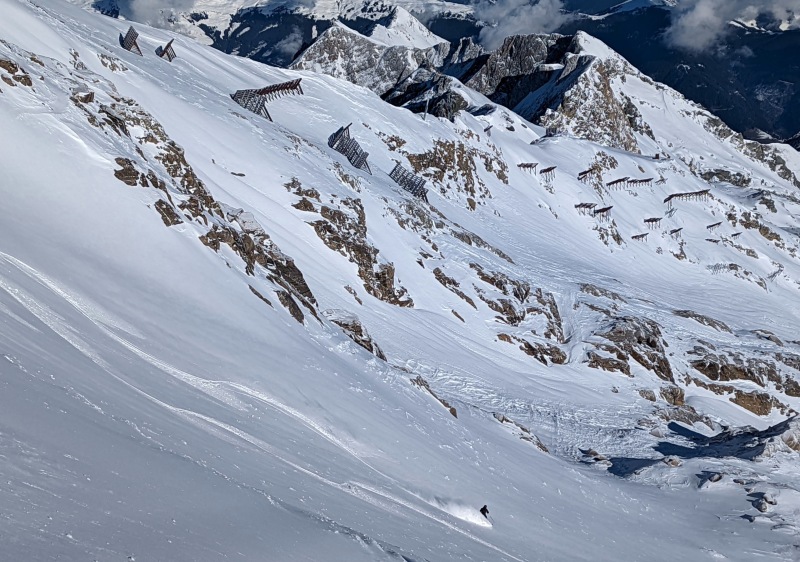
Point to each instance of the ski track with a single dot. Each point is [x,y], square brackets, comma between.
[569,424]
[387,501]
[440,520]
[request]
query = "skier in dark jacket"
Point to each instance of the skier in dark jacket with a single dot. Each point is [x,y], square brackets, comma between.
[485,512]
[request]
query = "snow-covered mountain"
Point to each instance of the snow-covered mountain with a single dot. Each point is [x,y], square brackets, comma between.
[742,75]
[222,340]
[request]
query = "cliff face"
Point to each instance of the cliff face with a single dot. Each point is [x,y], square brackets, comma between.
[343,53]
[550,80]
[575,85]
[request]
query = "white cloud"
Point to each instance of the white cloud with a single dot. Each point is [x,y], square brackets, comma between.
[698,25]
[518,17]
[290,44]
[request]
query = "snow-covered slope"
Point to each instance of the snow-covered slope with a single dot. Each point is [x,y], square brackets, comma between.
[195,303]
[401,28]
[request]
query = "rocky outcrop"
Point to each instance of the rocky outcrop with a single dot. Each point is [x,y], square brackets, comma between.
[543,352]
[519,302]
[156,161]
[629,337]
[704,320]
[355,330]
[428,88]
[344,53]
[452,285]
[422,383]
[345,231]
[521,65]
[453,167]
[525,433]
[14,74]
[343,228]
[778,371]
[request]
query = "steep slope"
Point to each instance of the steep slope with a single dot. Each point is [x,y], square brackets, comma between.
[197,304]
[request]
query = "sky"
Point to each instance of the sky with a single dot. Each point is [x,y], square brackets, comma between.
[516,17]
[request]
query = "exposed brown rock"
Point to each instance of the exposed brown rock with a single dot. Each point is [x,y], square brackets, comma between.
[637,338]
[168,214]
[260,296]
[9,66]
[673,395]
[422,383]
[608,364]
[127,173]
[704,320]
[352,291]
[262,251]
[24,79]
[525,433]
[304,205]
[543,352]
[356,331]
[596,291]
[453,285]
[112,63]
[294,186]
[290,304]
[521,302]
[760,403]
[453,164]
[647,394]
[722,367]
[346,233]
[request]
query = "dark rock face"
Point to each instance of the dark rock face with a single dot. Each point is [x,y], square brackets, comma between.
[108,8]
[426,88]
[530,74]
[342,53]
[522,65]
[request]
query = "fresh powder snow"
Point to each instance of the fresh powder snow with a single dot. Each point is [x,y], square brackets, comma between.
[194,301]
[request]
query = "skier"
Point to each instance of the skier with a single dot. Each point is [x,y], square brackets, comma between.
[485,512]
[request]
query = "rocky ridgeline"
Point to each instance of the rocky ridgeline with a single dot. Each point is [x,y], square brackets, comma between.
[553,80]
[342,227]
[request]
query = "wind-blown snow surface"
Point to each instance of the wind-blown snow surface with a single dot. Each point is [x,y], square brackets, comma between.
[151,406]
